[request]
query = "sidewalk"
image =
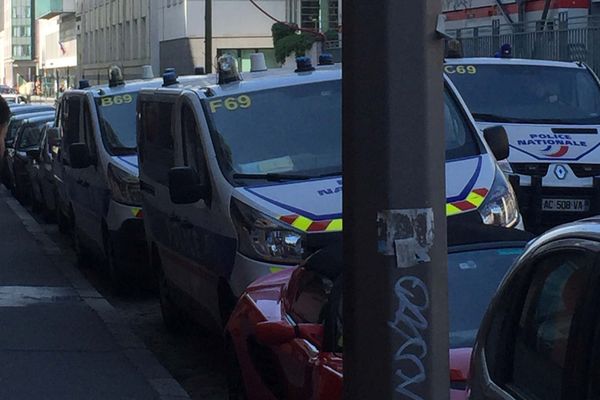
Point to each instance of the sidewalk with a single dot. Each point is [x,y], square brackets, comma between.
[59,338]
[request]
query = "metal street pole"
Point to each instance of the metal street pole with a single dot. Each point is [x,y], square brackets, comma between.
[395,288]
[208,36]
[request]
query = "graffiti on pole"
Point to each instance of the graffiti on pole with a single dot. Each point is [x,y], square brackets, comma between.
[410,322]
[408,236]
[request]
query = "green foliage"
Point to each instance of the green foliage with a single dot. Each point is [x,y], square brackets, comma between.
[286,41]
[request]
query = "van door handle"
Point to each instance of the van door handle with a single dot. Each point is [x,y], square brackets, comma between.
[145,187]
[185,224]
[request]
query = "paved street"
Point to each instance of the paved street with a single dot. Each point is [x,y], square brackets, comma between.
[61,338]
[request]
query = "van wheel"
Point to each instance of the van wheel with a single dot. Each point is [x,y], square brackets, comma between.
[121,281]
[80,251]
[235,381]
[173,316]
[227,302]
[61,221]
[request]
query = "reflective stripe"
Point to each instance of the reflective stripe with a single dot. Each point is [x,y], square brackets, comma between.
[472,202]
[335,225]
[275,269]
[302,223]
[452,210]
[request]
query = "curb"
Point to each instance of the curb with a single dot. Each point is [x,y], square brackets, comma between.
[157,376]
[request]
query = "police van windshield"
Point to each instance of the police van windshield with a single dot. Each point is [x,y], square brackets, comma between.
[117,116]
[292,129]
[528,93]
[295,131]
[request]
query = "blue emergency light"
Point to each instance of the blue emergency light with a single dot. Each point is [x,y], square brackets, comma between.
[170,77]
[304,64]
[326,59]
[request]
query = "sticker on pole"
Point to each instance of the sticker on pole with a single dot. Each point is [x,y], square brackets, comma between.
[405,234]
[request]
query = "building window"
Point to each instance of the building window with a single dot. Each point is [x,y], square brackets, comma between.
[21,50]
[21,31]
[309,14]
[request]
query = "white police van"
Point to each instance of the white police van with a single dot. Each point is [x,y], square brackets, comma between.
[551,112]
[97,173]
[243,178]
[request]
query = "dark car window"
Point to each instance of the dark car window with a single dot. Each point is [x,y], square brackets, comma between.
[156,151]
[546,94]
[473,277]
[117,115]
[542,347]
[30,136]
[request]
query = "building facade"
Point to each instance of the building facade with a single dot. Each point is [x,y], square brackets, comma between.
[56,46]
[18,42]
[114,32]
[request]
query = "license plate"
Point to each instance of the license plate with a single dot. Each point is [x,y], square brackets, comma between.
[571,205]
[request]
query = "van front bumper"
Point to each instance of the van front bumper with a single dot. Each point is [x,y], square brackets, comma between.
[531,193]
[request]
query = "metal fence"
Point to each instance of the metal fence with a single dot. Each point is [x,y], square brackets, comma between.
[561,38]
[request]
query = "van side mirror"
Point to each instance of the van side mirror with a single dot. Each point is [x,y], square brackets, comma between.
[185,186]
[79,156]
[497,139]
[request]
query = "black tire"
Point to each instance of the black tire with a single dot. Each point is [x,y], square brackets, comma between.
[62,221]
[82,254]
[173,316]
[120,279]
[35,205]
[20,194]
[235,382]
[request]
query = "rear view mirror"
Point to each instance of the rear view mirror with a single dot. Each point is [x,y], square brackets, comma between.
[497,139]
[33,154]
[79,156]
[185,186]
[274,333]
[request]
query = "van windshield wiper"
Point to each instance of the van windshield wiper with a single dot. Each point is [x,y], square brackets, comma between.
[273,177]
[493,118]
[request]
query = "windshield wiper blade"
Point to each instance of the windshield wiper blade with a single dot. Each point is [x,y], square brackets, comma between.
[273,177]
[493,118]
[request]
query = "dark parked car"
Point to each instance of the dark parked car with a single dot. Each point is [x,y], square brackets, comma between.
[18,109]
[20,114]
[540,337]
[285,334]
[41,173]
[26,145]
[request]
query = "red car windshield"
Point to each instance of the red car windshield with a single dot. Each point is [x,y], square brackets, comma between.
[473,277]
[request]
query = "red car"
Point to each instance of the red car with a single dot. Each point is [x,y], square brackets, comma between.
[285,334]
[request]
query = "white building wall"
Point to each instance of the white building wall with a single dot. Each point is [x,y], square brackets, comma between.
[114,32]
[237,24]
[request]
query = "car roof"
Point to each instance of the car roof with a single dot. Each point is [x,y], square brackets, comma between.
[254,81]
[25,116]
[512,61]
[35,118]
[584,229]
[31,109]
[139,84]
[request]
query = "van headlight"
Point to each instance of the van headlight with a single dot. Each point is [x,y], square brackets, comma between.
[264,238]
[124,187]
[500,206]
